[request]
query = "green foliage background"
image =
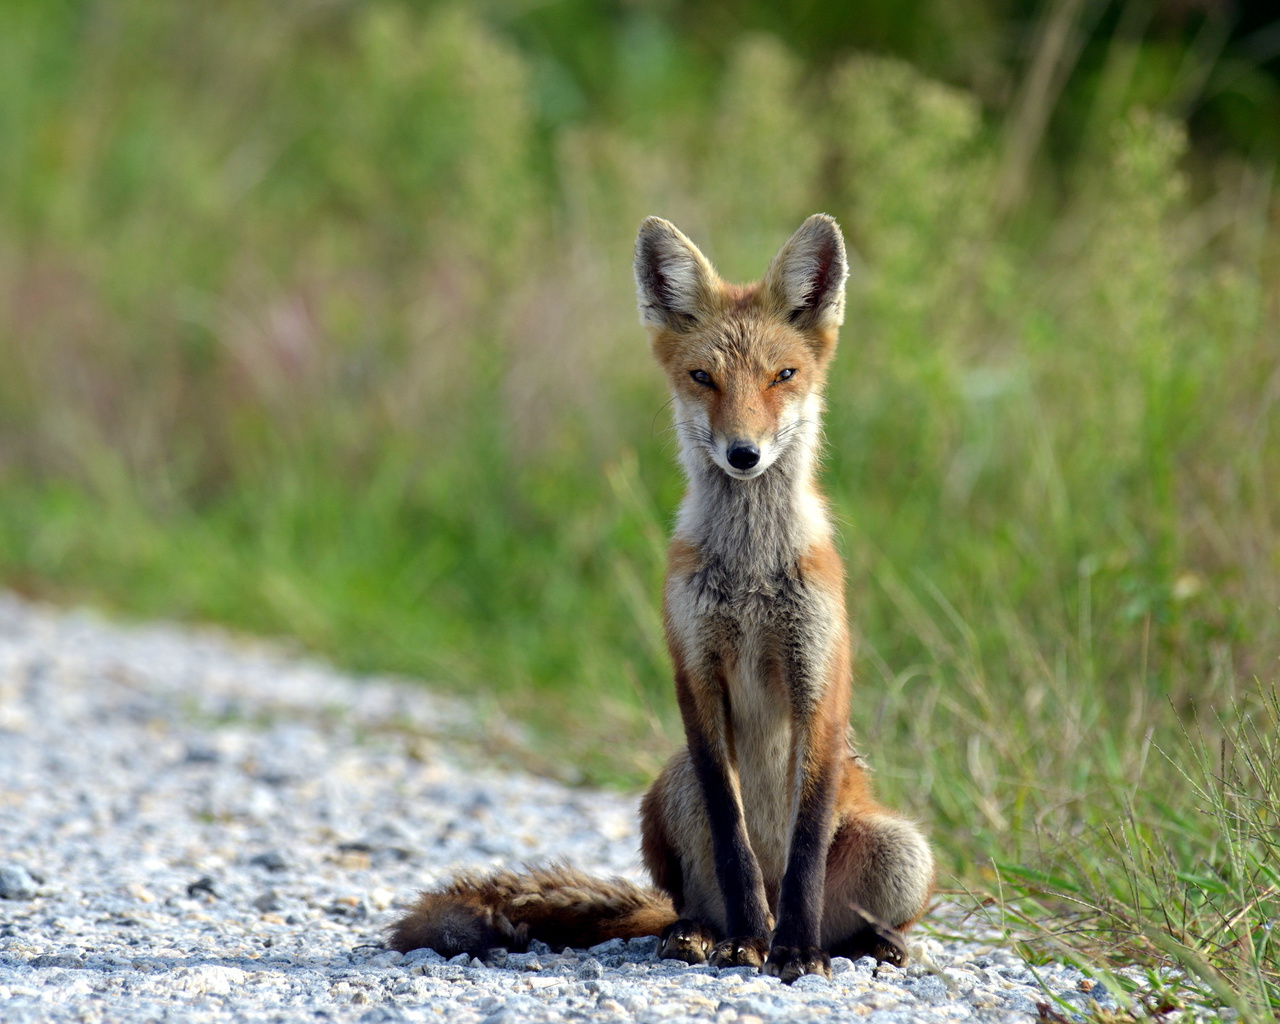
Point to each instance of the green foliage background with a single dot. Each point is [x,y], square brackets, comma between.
[317,321]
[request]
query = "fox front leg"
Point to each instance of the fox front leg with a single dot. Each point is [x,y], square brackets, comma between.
[738,875]
[737,870]
[796,947]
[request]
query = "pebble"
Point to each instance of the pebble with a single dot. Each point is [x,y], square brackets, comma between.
[271,860]
[16,883]
[155,779]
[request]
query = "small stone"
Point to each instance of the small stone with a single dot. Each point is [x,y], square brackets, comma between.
[539,947]
[202,885]
[445,972]
[421,956]
[379,1014]
[590,968]
[268,902]
[349,907]
[272,860]
[810,983]
[883,1000]
[385,958]
[607,948]
[865,963]
[214,979]
[840,965]
[644,945]
[461,960]
[929,989]
[502,1016]
[16,883]
[1079,1001]
[418,987]
[58,960]
[106,961]
[960,981]
[523,962]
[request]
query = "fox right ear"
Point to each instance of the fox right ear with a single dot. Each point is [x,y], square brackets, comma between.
[807,276]
[674,281]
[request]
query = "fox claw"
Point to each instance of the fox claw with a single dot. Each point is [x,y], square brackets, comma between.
[740,952]
[792,962]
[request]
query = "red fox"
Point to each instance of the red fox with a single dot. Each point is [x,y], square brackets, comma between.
[763,841]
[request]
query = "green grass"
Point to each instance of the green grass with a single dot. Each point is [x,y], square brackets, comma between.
[286,352]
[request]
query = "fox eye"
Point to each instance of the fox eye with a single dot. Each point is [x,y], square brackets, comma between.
[702,377]
[784,375]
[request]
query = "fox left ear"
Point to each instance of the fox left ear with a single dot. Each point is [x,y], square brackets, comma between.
[675,284]
[806,278]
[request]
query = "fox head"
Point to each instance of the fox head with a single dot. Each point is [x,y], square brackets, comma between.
[746,363]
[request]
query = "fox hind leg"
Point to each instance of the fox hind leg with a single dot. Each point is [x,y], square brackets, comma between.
[879,878]
[874,939]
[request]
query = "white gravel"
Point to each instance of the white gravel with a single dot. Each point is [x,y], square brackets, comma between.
[198,828]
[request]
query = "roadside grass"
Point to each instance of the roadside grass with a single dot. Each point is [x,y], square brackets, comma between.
[282,357]
[1154,885]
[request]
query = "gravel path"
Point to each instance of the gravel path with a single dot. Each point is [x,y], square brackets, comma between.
[197,828]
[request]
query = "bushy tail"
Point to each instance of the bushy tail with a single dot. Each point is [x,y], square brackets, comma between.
[558,904]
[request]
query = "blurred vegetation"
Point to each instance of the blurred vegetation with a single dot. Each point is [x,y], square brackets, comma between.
[317,320]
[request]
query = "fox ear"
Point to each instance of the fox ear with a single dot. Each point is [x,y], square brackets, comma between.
[806,278]
[674,281]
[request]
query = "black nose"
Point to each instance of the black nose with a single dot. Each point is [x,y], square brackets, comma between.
[743,455]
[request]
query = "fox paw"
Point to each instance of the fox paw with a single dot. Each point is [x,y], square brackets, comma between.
[891,949]
[876,939]
[792,962]
[742,952]
[686,940]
